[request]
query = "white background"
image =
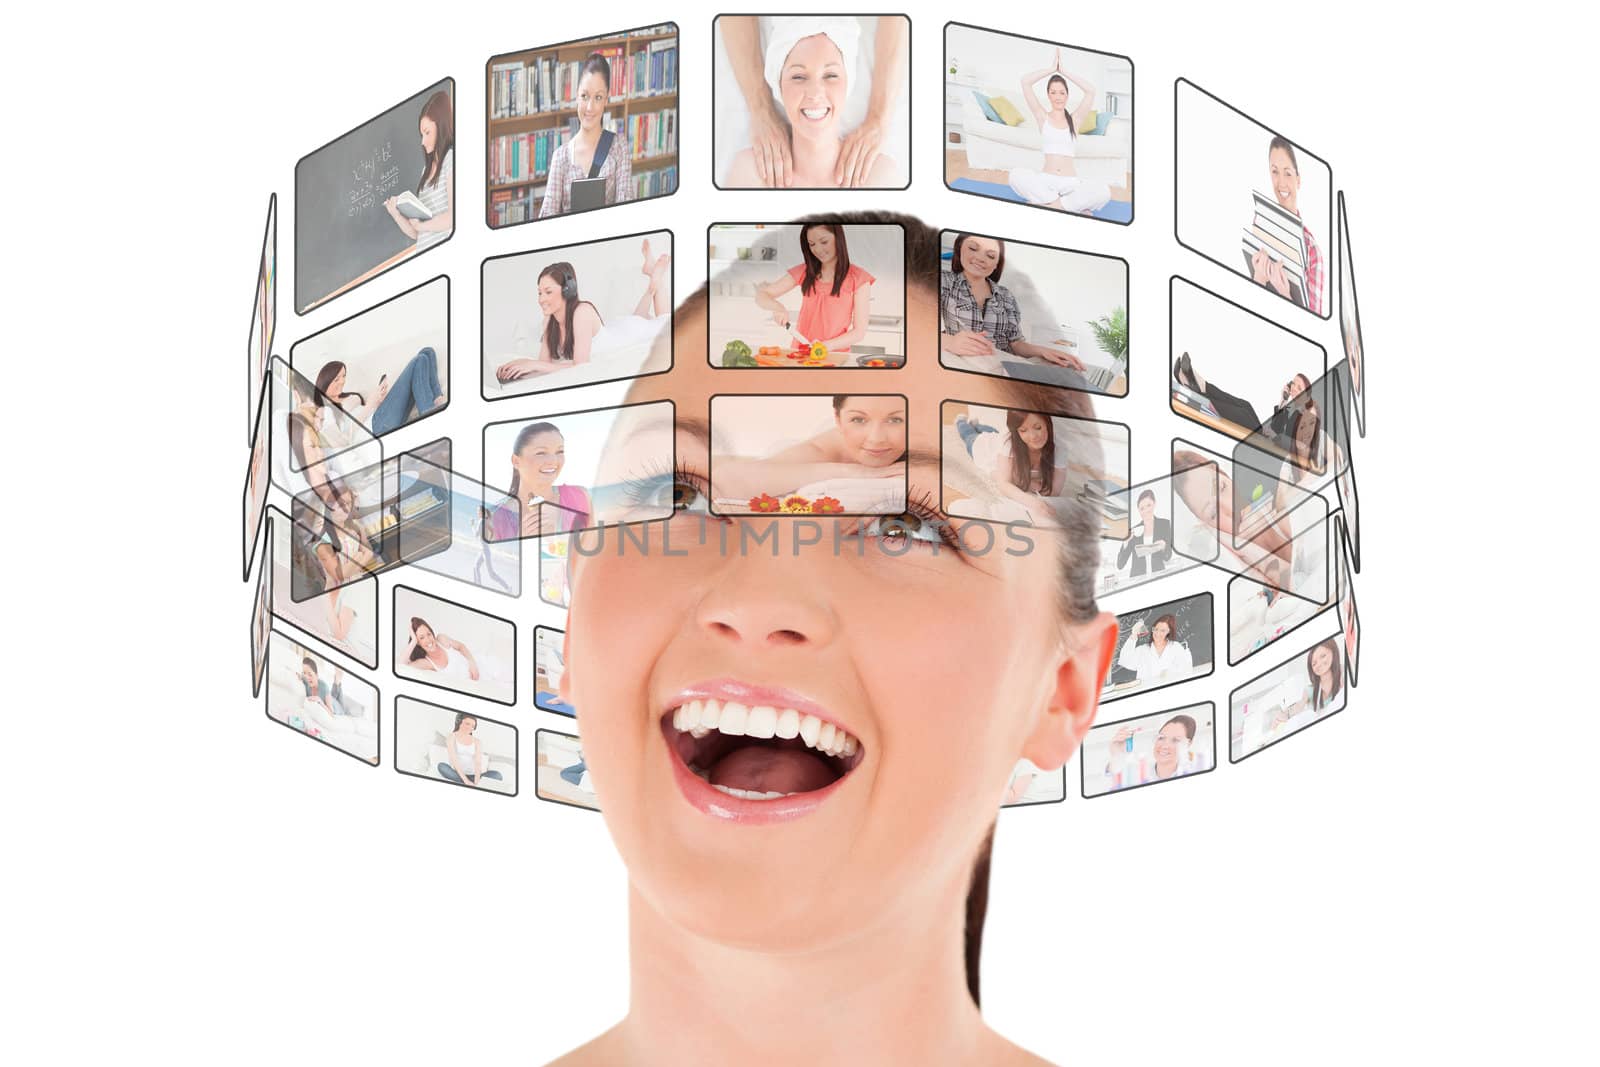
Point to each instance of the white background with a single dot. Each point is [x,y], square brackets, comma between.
[1410,881]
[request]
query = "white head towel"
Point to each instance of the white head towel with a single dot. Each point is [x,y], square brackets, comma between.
[788,31]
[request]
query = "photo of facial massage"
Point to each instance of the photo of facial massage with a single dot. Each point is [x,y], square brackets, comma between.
[1161,645]
[582,124]
[441,643]
[1038,122]
[811,101]
[1030,785]
[345,616]
[1149,749]
[1348,619]
[824,294]
[1251,200]
[1261,613]
[1011,465]
[1301,691]
[1059,317]
[573,315]
[1350,320]
[1245,376]
[263,317]
[260,627]
[1212,496]
[380,369]
[454,747]
[814,455]
[375,196]
[309,692]
[548,667]
[580,470]
[560,774]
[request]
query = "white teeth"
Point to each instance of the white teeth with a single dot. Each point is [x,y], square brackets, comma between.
[810,727]
[700,717]
[825,736]
[849,745]
[788,724]
[710,714]
[748,794]
[814,112]
[733,719]
[762,721]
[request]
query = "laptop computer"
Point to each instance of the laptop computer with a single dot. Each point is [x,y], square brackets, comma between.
[1092,378]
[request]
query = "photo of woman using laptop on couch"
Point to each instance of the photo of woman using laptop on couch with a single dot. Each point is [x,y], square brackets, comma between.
[769,736]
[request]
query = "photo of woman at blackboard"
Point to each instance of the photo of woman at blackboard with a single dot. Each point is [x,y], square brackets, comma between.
[593,152]
[436,189]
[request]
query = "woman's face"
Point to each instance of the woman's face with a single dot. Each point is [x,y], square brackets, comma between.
[550,300]
[1147,510]
[1034,431]
[822,244]
[1321,661]
[336,387]
[815,85]
[979,255]
[1285,180]
[873,428]
[429,131]
[1160,633]
[934,661]
[541,459]
[468,725]
[1058,96]
[1169,742]
[426,639]
[593,96]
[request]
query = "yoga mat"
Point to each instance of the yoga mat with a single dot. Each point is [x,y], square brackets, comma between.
[1113,211]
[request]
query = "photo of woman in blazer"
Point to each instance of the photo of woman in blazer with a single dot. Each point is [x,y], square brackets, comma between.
[1151,533]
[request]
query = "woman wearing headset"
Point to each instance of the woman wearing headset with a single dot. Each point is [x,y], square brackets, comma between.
[769,733]
[574,330]
[1165,658]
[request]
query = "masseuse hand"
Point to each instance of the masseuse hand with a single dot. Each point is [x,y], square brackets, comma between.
[859,151]
[969,343]
[769,143]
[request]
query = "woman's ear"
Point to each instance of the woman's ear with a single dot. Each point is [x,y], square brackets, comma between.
[1075,697]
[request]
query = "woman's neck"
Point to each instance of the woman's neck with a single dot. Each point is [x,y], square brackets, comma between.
[1166,769]
[976,281]
[1158,643]
[815,157]
[896,993]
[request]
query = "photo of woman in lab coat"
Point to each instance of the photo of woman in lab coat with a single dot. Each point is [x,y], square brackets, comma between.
[1165,658]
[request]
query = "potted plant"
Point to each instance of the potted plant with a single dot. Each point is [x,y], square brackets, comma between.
[1111,334]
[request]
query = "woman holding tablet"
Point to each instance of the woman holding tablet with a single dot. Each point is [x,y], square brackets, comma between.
[593,152]
[835,294]
[436,188]
[1058,184]
[979,316]
[1164,658]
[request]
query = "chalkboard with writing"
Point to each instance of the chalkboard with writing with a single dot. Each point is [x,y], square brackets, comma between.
[1194,616]
[341,228]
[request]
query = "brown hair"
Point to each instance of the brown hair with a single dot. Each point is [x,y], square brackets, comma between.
[442,113]
[1078,543]
[1317,701]
[1172,628]
[1282,144]
[999,263]
[841,257]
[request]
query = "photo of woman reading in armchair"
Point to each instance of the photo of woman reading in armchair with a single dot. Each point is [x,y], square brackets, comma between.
[1057,184]
[593,152]
[575,332]
[436,189]
[835,294]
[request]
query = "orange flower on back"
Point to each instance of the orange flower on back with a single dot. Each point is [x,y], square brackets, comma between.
[825,505]
[796,505]
[764,502]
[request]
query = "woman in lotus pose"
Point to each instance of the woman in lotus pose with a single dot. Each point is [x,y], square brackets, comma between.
[1058,184]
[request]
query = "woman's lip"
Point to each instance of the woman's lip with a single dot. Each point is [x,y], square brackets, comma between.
[752,695]
[714,802]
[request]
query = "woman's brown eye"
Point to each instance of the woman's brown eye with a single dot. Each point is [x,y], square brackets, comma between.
[684,496]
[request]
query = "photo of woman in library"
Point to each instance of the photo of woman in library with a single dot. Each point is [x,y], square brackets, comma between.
[592,154]
[436,129]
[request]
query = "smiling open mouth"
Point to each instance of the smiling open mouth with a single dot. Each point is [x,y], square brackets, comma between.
[816,114]
[759,753]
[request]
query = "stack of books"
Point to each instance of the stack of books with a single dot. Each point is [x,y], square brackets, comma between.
[1108,498]
[1280,234]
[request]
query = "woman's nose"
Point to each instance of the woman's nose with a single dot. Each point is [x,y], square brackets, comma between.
[768,601]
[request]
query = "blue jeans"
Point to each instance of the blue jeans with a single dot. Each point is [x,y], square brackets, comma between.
[417,386]
[969,431]
[448,773]
[574,773]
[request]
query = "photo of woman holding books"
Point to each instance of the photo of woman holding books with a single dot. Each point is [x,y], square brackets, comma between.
[593,152]
[1267,260]
[436,128]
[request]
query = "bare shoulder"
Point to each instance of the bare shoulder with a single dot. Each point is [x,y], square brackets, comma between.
[1007,1054]
[742,171]
[599,1052]
[884,173]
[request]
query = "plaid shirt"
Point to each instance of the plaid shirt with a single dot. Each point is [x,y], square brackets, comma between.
[617,170]
[1314,276]
[999,316]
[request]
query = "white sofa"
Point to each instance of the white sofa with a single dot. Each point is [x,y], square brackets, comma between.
[993,145]
[356,734]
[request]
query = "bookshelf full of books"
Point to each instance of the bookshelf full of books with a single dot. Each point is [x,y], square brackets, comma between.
[532,113]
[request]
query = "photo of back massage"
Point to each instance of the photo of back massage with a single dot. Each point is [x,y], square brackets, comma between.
[454,747]
[441,643]
[823,294]
[560,773]
[1011,465]
[551,469]
[813,455]
[1038,122]
[1149,749]
[811,102]
[1249,199]
[1059,318]
[308,692]
[1301,691]
[575,315]
[381,369]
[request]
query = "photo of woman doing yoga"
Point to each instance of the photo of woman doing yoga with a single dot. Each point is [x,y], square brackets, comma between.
[575,333]
[593,153]
[537,457]
[835,294]
[1057,184]
[466,763]
[798,89]
[428,651]
[768,730]
[436,128]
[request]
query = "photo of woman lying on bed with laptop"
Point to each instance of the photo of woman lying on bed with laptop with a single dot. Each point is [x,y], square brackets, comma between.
[575,315]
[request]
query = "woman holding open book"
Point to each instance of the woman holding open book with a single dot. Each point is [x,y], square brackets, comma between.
[593,152]
[1264,270]
[436,127]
